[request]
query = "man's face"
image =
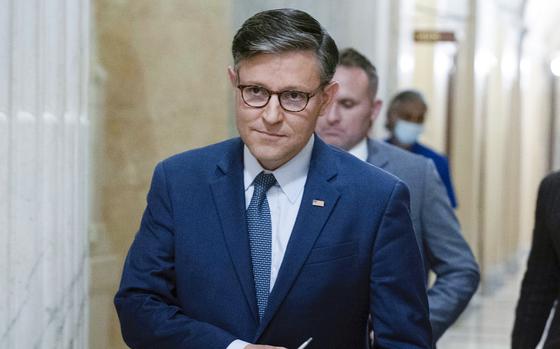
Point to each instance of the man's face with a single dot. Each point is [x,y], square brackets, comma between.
[272,134]
[411,111]
[350,116]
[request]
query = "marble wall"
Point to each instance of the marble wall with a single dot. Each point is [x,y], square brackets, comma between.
[159,75]
[44,56]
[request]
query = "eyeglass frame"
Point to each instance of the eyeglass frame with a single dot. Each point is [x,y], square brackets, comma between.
[308,95]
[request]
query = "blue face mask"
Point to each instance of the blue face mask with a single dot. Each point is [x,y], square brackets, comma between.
[407,132]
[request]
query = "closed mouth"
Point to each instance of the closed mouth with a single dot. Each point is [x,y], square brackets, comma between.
[331,132]
[269,133]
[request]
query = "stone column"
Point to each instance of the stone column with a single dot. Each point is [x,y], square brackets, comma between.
[43,173]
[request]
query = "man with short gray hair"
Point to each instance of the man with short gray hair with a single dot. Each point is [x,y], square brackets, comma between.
[445,251]
[275,239]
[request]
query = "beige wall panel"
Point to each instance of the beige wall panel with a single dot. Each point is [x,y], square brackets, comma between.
[511,104]
[494,174]
[433,62]
[465,152]
[426,78]
[160,88]
[534,144]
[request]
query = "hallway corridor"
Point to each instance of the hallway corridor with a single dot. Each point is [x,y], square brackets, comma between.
[94,94]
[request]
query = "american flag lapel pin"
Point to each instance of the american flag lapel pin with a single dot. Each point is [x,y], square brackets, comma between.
[319,203]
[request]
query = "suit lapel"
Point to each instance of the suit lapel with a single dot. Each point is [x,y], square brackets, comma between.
[376,157]
[229,198]
[309,224]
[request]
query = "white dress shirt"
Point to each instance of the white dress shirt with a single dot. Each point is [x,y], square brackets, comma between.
[284,199]
[360,150]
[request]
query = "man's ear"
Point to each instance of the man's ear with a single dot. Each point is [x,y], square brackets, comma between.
[375,109]
[328,96]
[232,76]
[389,121]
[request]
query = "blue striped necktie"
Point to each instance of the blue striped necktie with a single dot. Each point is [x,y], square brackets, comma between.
[260,237]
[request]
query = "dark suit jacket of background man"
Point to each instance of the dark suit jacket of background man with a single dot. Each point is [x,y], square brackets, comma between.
[187,281]
[541,283]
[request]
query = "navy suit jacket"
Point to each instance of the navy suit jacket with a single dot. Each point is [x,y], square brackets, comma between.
[187,280]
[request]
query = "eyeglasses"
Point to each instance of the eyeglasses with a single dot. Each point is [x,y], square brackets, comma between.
[291,101]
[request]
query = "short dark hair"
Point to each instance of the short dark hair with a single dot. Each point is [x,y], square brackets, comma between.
[351,58]
[284,30]
[406,96]
[409,96]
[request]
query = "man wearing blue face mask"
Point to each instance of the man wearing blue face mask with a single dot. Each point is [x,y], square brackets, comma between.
[405,118]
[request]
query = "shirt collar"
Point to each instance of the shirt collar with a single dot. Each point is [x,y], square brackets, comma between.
[360,150]
[290,177]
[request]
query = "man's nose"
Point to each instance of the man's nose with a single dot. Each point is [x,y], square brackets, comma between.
[272,113]
[332,114]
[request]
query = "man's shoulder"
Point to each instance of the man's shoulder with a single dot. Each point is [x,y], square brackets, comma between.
[394,153]
[424,150]
[208,154]
[417,171]
[409,167]
[549,188]
[552,181]
[202,161]
[352,170]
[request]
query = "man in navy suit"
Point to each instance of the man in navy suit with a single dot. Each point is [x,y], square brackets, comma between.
[270,239]
[445,251]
